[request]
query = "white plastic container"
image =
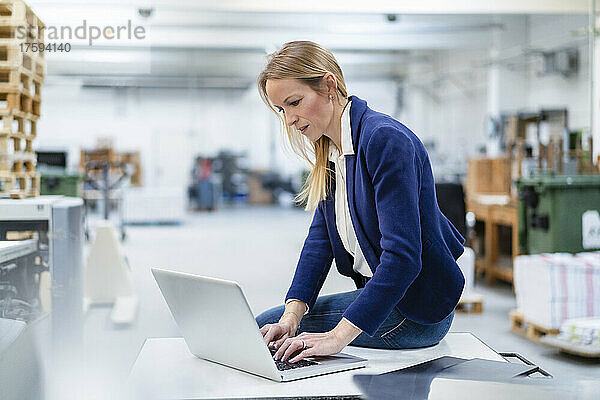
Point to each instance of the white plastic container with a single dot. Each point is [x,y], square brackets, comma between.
[466,262]
[153,205]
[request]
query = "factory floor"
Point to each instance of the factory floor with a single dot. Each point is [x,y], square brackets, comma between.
[259,247]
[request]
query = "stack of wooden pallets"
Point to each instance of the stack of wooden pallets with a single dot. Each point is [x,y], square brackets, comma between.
[22,71]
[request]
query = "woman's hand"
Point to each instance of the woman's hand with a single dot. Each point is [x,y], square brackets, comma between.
[278,332]
[288,323]
[318,344]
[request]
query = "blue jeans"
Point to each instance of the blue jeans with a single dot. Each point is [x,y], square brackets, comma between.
[396,332]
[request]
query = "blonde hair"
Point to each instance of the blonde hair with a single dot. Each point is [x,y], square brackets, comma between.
[307,62]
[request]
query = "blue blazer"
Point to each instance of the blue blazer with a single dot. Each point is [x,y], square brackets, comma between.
[410,246]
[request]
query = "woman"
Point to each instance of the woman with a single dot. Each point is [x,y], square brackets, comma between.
[376,213]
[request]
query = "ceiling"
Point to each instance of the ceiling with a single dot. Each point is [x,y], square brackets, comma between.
[223,43]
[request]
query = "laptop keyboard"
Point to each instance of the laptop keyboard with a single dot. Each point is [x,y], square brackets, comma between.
[285,365]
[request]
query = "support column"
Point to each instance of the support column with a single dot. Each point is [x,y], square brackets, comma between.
[507,89]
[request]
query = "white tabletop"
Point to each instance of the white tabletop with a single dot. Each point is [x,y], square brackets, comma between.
[166,369]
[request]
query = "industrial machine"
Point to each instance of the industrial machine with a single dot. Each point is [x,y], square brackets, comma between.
[57,248]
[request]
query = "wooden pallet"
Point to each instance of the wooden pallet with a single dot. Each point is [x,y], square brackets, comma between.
[19,80]
[19,25]
[20,32]
[19,235]
[20,102]
[15,142]
[18,162]
[528,329]
[470,303]
[19,124]
[18,185]
[13,56]
[24,162]
[16,12]
[18,178]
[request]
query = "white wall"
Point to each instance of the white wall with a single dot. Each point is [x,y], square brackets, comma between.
[555,91]
[171,126]
[448,99]
[445,102]
[168,126]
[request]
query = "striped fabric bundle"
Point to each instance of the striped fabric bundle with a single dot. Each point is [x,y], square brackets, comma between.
[581,331]
[551,288]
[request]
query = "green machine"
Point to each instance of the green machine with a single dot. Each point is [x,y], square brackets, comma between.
[60,183]
[559,213]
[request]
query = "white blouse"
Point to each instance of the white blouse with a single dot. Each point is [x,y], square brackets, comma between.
[342,211]
[343,221]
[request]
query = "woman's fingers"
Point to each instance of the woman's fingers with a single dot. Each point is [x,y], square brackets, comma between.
[283,348]
[305,345]
[309,351]
[272,333]
[279,342]
[265,332]
[295,346]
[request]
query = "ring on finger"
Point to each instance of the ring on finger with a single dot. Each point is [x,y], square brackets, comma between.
[303,344]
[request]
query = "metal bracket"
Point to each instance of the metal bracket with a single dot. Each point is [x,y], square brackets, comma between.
[525,361]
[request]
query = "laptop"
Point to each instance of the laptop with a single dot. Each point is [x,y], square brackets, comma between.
[217,325]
